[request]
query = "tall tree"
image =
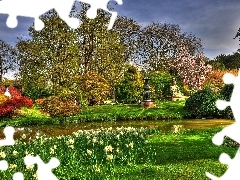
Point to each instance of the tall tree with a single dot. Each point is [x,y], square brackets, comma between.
[102,51]
[159,43]
[59,55]
[8,56]
[50,56]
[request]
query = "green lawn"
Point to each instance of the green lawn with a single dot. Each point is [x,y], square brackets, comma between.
[166,156]
[165,110]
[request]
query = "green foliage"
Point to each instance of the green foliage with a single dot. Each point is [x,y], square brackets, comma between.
[94,87]
[57,107]
[225,94]
[161,82]
[35,92]
[129,90]
[202,104]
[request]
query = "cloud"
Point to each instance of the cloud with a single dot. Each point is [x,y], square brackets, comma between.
[215,21]
[10,35]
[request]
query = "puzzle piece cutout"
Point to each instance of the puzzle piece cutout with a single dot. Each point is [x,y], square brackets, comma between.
[3,165]
[232,172]
[44,170]
[35,8]
[231,131]
[8,141]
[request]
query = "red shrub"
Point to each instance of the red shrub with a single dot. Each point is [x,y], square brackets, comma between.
[2,89]
[14,92]
[7,108]
[6,111]
[18,102]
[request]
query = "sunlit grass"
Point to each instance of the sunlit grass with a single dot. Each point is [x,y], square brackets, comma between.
[87,154]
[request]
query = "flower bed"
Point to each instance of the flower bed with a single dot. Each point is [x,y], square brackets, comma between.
[84,154]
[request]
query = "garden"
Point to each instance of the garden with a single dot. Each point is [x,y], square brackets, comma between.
[78,97]
[122,140]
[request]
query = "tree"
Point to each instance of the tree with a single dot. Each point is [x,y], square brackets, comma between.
[58,55]
[159,43]
[49,58]
[223,62]
[130,88]
[7,58]
[96,88]
[192,69]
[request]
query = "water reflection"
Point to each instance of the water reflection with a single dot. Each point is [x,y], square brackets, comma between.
[66,129]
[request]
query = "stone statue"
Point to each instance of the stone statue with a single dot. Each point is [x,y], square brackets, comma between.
[175,91]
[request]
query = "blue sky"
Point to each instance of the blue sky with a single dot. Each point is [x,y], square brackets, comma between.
[215,21]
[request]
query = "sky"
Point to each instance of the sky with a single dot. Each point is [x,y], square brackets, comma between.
[214,21]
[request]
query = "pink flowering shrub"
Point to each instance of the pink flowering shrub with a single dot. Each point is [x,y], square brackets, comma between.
[191,68]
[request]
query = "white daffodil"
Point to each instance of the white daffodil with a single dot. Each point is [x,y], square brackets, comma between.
[2,154]
[131,144]
[110,157]
[15,153]
[12,166]
[89,152]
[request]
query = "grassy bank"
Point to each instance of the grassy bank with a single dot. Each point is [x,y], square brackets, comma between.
[83,155]
[166,110]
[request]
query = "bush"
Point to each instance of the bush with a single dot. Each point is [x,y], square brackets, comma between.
[3,98]
[14,92]
[225,94]
[130,89]
[202,104]
[94,87]
[2,89]
[8,107]
[161,82]
[37,92]
[215,81]
[40,101]
[57,107]
[6,111]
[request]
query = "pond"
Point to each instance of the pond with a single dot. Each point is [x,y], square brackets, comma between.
[66,129]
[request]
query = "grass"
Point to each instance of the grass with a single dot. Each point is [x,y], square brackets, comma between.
[185,155]
[167,156]
[165,110]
